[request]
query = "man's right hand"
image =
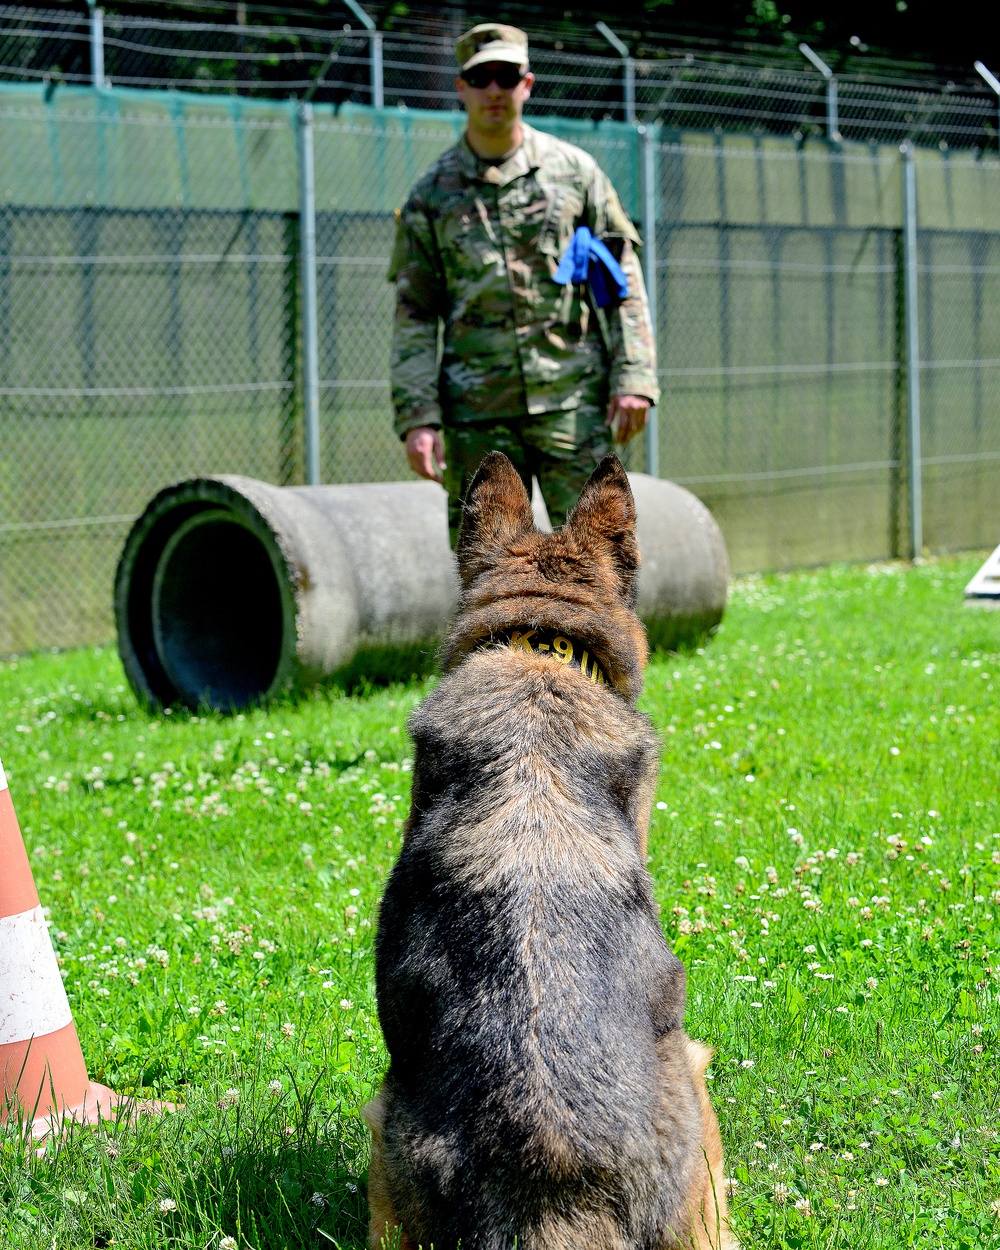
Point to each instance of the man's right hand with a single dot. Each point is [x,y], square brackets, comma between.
[425,452]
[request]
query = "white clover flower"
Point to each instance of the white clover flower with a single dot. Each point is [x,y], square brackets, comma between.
[780,1193]
[166,1204]
[742,863]
[346,1004]
[228,1243]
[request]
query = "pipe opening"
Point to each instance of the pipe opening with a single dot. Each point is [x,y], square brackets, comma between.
[217,613]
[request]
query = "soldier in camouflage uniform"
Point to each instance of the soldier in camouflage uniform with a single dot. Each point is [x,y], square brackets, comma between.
[528,367]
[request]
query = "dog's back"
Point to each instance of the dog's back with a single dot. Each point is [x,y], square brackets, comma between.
[542,1093]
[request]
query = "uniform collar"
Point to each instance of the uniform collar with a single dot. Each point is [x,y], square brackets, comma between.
[525,160]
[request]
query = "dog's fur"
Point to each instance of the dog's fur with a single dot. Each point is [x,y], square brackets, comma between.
[542,1093]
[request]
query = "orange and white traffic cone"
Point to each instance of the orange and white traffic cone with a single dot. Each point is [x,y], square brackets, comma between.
[41,1064]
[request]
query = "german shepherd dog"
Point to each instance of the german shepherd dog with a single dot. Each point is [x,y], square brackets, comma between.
[542,1094]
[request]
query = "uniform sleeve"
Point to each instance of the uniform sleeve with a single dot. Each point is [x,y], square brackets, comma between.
[414,365]
[631,342]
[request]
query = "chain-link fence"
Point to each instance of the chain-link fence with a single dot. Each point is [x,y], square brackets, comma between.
[417,71]
[151,325]
[782,346]
[958,266]
[779,345]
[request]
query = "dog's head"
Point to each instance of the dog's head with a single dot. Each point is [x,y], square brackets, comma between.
[580,580]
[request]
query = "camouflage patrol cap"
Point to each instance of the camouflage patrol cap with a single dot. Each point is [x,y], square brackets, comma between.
[492,42]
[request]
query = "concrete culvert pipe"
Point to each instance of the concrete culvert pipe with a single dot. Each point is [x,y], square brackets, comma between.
[230,591]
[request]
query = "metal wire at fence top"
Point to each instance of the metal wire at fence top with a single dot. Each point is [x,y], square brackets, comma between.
[396,68]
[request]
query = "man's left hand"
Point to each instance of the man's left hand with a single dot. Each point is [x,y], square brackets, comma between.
[628,415]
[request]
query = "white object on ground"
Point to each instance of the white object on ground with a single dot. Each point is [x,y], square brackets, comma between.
[986,583]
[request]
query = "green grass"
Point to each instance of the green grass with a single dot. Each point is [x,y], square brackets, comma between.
[825,847]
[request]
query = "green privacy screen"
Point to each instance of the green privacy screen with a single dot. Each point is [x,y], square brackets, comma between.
[150,326]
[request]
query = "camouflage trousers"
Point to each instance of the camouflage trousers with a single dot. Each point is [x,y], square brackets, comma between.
[560,449]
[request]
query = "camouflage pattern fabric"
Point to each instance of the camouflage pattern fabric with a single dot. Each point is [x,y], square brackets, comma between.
[476,247]
[561,449]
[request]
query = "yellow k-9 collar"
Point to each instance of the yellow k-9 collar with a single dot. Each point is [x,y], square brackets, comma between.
[555,646]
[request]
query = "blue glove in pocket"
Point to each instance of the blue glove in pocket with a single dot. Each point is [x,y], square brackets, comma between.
[588,260]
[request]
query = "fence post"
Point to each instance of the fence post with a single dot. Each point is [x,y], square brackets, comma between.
[629,66]
[647,138]
[993,83]
[378,87]
[912,346]
[307,260]
[375,52]
[832,112]
[97,46]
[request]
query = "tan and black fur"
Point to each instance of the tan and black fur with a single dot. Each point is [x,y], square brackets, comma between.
[542,1093]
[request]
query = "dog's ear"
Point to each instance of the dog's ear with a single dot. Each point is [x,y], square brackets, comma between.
[496,512]
[604,518]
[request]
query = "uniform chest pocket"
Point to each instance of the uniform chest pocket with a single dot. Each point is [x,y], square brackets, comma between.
[466,236]
[565,213]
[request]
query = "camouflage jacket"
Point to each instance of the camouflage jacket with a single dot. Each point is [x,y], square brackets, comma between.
[476,248]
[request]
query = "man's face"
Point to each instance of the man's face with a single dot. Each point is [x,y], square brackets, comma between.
[491,108]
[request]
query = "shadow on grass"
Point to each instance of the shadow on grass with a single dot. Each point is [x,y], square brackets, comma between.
[374,668]
[680,636]
[277,1195]
[265,1167]
[371,671]
[277,1172]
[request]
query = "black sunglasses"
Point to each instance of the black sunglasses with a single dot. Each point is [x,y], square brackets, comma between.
[505,76]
